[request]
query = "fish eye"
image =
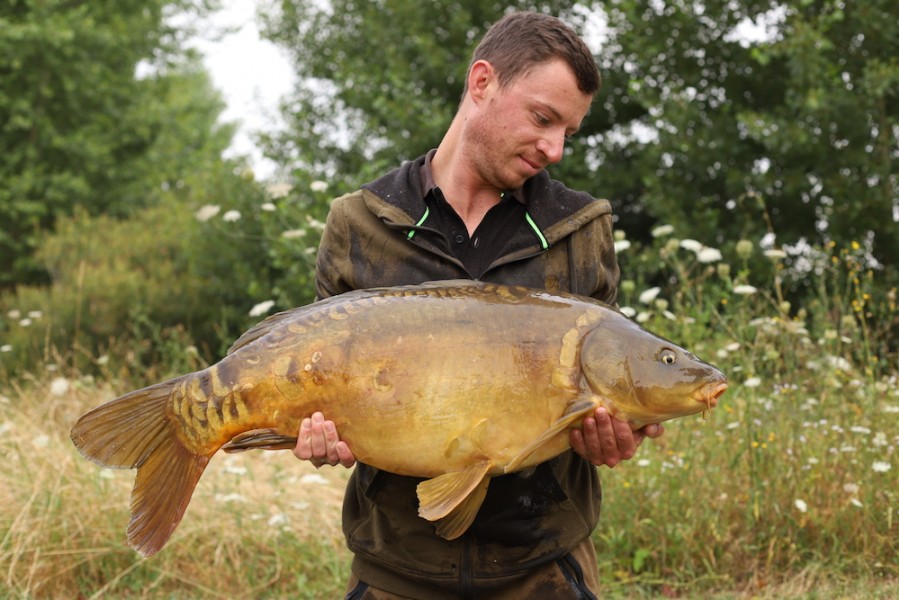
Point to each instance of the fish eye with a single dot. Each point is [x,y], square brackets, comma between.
[667,356]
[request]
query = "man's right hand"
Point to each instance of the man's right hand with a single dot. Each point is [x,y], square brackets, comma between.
[319,443]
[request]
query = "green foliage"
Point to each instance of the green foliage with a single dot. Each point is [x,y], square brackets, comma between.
[695,121]
[795,472]
[77,126]
[161,287]
[787,490]
[805,118]
[378,82]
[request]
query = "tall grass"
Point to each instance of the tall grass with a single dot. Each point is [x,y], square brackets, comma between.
[789,489]
[260,525]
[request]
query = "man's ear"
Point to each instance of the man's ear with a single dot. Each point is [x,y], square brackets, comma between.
[481,80]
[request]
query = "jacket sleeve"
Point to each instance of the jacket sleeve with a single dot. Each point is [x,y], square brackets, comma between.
[332,275]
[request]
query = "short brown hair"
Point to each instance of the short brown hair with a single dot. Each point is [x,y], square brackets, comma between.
[522,40]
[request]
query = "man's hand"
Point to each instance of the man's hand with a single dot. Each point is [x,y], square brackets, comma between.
[606,441]
[319,443]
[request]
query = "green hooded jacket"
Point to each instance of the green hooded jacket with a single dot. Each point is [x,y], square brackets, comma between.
[379,236]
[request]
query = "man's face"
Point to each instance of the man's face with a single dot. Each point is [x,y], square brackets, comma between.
[519,129]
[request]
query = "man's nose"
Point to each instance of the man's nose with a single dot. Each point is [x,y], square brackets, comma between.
[552,146]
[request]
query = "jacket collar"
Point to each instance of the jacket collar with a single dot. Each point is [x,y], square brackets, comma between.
[550,204]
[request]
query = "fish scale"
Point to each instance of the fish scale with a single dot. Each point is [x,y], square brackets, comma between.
[452,382]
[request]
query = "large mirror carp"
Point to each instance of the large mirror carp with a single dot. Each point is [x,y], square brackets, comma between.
[453,382]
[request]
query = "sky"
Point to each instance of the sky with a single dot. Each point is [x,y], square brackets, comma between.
[251,73]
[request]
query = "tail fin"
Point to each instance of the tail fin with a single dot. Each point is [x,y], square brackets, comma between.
[134,432]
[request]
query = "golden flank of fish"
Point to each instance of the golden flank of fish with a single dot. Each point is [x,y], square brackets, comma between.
[452,382]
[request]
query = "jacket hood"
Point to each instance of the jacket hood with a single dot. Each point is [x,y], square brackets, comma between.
[555,209]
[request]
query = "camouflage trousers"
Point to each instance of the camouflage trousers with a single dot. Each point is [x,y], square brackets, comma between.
[572,577]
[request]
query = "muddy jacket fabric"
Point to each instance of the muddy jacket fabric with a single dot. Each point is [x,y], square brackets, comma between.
[378,236]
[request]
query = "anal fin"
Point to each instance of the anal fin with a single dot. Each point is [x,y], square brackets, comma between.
[439,496]
[575,412]
[460,519]
[260,439]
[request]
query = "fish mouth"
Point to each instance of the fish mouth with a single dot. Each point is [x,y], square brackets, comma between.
[709,394]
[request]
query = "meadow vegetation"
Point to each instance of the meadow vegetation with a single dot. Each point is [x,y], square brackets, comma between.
[131,252]
[789,489]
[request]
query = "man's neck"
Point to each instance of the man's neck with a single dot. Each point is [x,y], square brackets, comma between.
[469,197]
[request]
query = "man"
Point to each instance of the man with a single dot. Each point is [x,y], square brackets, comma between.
[481,206]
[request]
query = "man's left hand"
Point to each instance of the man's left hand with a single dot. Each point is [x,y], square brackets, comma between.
[604,440]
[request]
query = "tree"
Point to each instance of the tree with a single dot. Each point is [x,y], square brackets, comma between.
[378,81]
[697,125]
[795,132]
[77,126]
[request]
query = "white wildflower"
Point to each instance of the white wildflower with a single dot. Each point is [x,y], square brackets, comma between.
[621,245]
[103,360]
[35,314]
[851,488]
[691,245]
[277,520]
[733,425]
[813,461]
[880,439]
[800,505]
[745,290]
[268,207]
[25,322]
[206,212]
[644,462]
[838,362]
[649,295]
[59,386]
[891,409]
[732,347]
[628,312]
[41,441]
[106,474]
[313,479]
[856,503]
[232,497]
[708,255]
[319,186]
[235,470]
[293,233]
[881,466]
[775,254]
[261,308]
[752,382]
[231,216]
[5,428]
[6,348]
[14,314]
[860,429]
[315,223]
[643,317]
[662,230]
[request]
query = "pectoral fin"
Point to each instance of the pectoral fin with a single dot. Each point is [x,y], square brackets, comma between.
[441,495]
[460,519]
[575,411]
[260,439]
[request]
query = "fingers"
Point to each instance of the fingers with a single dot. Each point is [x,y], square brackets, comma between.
[319,443]
[606,441]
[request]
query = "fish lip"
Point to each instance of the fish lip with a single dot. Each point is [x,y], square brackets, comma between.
[709,394]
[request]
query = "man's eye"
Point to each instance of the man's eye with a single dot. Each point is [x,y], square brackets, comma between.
[541,119]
